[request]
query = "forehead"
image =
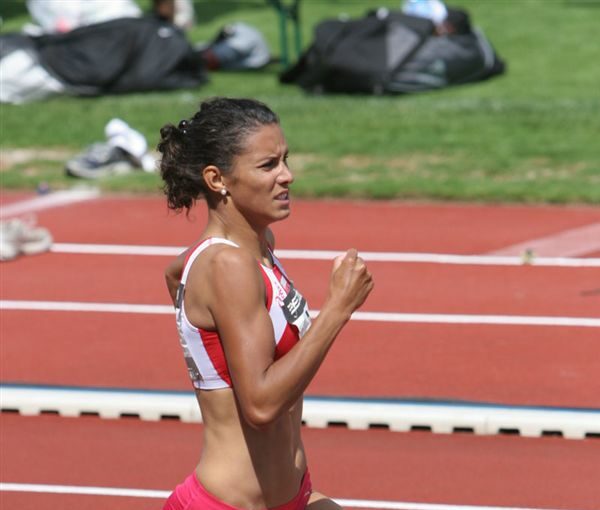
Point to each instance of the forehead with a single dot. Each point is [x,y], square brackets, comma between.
[265,139]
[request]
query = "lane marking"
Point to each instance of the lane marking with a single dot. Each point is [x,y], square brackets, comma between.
[82,490]
[568,243]
[443,417]
[72,306]
[329,255]
[55,199]
[162,494]
[116,249]
[427,318]
[520,320]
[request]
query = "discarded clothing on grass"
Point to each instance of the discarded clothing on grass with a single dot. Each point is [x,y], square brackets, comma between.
[60,16]
[237,47]
[118,56]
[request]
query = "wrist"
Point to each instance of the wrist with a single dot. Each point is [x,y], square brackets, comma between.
[335,313]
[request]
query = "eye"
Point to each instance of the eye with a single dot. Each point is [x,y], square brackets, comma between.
[271,163]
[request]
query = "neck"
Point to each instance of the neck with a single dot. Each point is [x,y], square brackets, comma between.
[237,229]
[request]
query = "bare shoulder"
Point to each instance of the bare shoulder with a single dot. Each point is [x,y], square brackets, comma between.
[234,271]
[223,274]
[229,259]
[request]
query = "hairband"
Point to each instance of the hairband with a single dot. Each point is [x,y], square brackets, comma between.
[183,125]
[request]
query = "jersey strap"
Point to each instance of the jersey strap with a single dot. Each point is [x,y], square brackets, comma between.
[292,303]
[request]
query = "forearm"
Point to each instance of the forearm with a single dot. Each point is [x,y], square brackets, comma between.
[285,380]
[267,388]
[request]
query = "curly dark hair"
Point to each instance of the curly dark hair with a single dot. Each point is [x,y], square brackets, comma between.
[213,136]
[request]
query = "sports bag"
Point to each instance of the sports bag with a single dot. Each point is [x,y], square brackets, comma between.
[391,52]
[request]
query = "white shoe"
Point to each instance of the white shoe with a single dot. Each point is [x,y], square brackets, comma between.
[20,236]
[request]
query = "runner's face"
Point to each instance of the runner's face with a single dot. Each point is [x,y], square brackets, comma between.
[259,183]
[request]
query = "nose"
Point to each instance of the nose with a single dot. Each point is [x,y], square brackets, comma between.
[285,174]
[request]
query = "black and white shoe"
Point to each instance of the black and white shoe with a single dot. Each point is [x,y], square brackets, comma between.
[100,160]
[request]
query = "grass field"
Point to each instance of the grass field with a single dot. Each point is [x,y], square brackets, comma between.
[530,135]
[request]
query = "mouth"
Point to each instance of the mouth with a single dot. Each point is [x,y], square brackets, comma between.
[284,195]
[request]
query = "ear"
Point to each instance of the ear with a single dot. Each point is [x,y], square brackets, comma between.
[213,178]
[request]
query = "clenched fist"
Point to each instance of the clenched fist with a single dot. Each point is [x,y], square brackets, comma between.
[350,282]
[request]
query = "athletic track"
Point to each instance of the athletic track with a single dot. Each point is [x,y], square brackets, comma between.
[466,330]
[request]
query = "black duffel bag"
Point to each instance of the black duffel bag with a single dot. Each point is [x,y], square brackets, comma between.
[390,52]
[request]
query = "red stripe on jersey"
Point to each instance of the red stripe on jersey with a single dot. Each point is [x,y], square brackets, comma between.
[290,335]
[214,349]
[289,338]
[282,279]
[268,288]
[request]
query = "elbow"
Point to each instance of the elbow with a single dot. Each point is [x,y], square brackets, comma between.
[259,417]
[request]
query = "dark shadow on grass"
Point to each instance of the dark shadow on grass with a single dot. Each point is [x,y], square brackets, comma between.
[207,10]
[13,9]
[273,69]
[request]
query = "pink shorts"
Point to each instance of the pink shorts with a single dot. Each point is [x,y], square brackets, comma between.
[191,495]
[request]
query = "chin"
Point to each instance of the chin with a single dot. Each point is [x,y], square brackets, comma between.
[282,214]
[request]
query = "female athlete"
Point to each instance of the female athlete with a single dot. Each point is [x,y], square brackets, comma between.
[247,337]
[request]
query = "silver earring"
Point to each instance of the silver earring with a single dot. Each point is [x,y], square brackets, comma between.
[223,191]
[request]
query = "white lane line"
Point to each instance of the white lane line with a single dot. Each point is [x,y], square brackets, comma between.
[520,320]
[369,256]
[82,490]
[162,494]
[72,306]
[568,243]
[56,199]
[116,249]
[428,318]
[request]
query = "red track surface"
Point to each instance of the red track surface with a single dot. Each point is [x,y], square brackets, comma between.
[482,363]
[507,364]
[381,226]
[419,288]
[377,464]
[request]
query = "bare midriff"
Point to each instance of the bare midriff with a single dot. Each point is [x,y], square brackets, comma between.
[247,467]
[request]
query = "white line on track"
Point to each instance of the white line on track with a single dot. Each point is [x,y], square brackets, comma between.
[160,494]
[55,199]
[72,306]
[428,318]
[429,258]
[568,243]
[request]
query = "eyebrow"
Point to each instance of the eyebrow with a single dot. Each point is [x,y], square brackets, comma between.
[272,155]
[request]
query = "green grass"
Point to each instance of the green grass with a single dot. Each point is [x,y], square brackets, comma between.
[528,136]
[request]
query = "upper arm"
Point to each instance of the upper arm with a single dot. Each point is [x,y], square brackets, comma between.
[173,274]
[237,304]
